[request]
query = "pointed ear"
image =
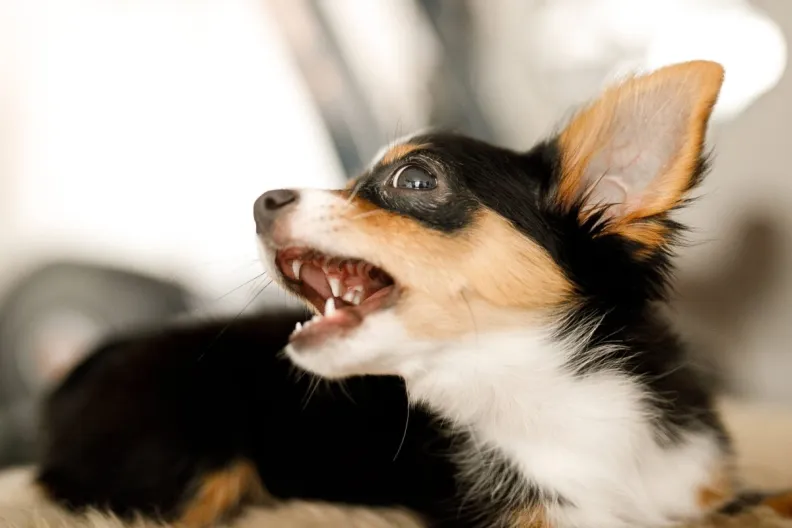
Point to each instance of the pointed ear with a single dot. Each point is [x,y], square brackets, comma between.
[636,151]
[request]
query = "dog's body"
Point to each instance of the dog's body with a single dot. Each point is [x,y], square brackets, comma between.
[216,407]
[492,313]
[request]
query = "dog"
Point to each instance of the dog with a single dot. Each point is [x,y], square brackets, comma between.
[486,322]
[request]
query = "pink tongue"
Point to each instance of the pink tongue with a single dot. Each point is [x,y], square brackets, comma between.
[315,278]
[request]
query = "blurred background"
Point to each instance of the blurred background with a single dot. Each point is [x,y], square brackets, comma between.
[135,135]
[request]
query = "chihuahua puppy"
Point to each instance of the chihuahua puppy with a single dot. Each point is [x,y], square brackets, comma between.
[492,315]
[513,292]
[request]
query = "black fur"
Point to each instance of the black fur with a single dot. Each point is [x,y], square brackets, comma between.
[145,417]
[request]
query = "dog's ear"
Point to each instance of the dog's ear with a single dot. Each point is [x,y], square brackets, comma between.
[633,153]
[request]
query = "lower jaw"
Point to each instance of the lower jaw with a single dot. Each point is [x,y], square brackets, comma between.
[332,361]
[308,339]
[341,322]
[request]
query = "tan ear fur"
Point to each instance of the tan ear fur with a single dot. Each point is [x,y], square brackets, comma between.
[637,148]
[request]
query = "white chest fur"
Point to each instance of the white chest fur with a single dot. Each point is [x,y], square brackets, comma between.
[587,438]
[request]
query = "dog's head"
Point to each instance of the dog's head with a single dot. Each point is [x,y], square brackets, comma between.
[447,239]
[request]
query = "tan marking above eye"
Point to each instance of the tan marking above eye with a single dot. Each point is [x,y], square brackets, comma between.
[398,152]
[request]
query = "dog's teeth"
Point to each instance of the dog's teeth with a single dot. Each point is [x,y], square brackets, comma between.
[296,266]
[349,296]
[357,298]
[298,327]
[335,285]
[330,307]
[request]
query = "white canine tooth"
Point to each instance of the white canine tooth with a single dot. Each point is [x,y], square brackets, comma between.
[358,298]
[296,266]
[330,306]
[349,296]
[335,285]
[298,327]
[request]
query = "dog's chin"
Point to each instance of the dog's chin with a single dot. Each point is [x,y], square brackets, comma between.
[324,360]
[376,346]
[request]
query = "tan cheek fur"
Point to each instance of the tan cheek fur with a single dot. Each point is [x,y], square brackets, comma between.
[486,277]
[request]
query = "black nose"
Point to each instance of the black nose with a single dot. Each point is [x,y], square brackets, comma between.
[269,205]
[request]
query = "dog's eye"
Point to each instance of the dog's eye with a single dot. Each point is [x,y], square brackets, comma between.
[415,178]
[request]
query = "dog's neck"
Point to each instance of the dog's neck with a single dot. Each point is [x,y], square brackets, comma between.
[574,436]
[518,388]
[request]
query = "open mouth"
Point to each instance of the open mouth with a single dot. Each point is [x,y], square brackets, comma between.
[343,291]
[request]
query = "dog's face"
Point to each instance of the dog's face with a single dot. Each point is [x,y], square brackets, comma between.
[446,239]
